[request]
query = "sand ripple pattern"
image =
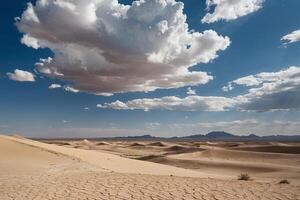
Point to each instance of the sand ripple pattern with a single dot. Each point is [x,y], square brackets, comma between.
[94,185]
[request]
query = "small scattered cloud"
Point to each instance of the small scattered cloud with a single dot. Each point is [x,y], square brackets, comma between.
[230,9]
[190,91]
[228,87]
[246,81]
[66,88]
[54,86]
[152,125]
[105,94]
[20,75]
[291,37]
[70,89]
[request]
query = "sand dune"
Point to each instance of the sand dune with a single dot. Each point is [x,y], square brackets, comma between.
[137,144]
[239,155]
[158,144]
[34,170]
[176,149]
[108,161]
[15,158]
[225,159]
[213,167]
[278,148]
[102,143]
[230,162]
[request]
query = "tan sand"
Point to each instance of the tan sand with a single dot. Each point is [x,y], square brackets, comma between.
[110,162]
[226,159]
[34,170]
[261,166]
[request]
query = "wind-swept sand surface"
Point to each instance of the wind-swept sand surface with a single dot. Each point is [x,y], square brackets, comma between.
[35,170]
[264,161]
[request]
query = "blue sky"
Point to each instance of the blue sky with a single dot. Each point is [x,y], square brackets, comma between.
[32,109]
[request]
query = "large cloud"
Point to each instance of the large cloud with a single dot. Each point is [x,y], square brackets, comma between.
[292,37]
[230,9]
[104,47]
[20,75]
[267,91]
[190,103]
[270,90]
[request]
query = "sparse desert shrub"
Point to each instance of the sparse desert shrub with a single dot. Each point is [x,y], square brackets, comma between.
[244,177]
[284,182]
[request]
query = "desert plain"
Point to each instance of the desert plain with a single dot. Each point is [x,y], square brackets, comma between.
[95,169]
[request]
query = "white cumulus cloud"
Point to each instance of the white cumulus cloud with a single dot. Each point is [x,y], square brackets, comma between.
[104,47]
[270,90]
[230,9]
[20,75]
[292,37]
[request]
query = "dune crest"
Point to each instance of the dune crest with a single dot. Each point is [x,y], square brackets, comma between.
[109,162]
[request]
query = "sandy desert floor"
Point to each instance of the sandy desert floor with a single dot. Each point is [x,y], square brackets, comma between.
[121,170]
[264,161]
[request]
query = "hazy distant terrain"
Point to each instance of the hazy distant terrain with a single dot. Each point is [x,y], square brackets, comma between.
[215,135]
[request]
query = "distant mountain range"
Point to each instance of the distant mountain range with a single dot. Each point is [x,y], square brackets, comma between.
[220,135]
[215,135]
[212,136]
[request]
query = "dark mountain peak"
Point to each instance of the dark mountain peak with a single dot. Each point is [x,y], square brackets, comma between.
[212,135]
[142,136]
[198,136]
[219,134]
[252,136]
